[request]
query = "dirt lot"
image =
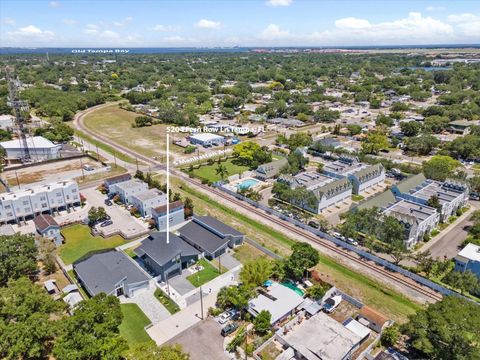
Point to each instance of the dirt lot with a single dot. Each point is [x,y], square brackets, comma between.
[50,172]
[202,341]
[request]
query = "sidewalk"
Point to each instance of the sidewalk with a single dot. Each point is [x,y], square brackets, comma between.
[181,321]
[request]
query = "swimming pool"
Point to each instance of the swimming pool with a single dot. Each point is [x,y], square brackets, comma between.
[247,184]
[293,287]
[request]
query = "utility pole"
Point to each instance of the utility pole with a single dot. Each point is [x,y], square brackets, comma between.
[136,160]
[201,302]
[18,182]
[98,155]
[219,264]
[81,166]
[115,158]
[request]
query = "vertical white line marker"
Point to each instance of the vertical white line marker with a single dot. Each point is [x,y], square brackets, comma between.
[168,188]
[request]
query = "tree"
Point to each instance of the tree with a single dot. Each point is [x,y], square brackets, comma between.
[150,351]
[222,171]
[96,215]
[440,167]
[410,128]
[446,330]
[18,257]
[251,154]
[390,336]
[27,328]
[326,115]
[434,202]
[422,145]
[92,332]
[464,281]
[392,233]
[262,322]
[256,272]
[189,207]
[303,257]
[316,292]
[374,143]
[299,139]
[234,296]
[46,254]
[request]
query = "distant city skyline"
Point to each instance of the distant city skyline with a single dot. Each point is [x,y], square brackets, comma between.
[217,23]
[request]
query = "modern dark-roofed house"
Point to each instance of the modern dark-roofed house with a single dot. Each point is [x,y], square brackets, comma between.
[210,236]
[47,227]
[116,180]
[166,259]
[111,272]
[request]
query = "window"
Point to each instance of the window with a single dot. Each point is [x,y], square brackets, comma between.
[42,198]
[44,205]
[25,202]
[7,207]
[74,191]
[9,214]
[59,194]
[27,209]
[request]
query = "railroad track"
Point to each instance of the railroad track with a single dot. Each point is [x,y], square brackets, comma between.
[346,254]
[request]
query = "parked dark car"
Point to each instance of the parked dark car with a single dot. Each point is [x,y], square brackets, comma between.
[229,328]
[106,223]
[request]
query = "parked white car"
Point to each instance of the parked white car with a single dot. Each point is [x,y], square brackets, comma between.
[224,317]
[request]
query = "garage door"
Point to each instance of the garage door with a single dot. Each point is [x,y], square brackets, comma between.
[173,273]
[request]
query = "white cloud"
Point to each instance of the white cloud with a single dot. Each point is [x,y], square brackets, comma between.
[413,29]
[165,28]
[273,32]
[208,24]
[69,21]
[435,8]
[467,24]
[91,29]
[9,21]
[123,22]
[461,18]
[30,34]
[108,34]
[54,4]
[279,2]
[352,23]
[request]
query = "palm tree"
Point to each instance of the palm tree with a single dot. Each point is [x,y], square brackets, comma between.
[222,171]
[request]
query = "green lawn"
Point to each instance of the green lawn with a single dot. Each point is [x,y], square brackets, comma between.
[201,277]
[165,300]
[208,172]
[79,241]
[133,324]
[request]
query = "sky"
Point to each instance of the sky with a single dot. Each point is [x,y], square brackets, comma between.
[257,23]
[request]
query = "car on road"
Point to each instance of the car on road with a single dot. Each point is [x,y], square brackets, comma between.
[229,328]
[106,223]
[338,236]
[352,241]
[224,317]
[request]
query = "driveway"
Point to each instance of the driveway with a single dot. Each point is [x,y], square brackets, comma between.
[181,284]
[228,261]
[149,304]
[202,341]
[123,222]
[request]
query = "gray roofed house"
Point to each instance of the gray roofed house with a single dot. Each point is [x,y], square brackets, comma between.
[271,169]
[166,259]
[210,236]
[417,219]
[116,179]
[319,338]
[111,272]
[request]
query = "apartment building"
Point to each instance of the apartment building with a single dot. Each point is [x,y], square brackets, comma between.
[325,191]
[127,189]
[362,176]
[27,203]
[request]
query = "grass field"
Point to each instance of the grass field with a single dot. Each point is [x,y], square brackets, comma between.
[133,323]
[201,277]
[208,172]
[116,124]
[165,300]
[105,147]
[79,241]
[370,292]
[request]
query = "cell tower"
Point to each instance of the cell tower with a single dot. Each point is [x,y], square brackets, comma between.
[19,107]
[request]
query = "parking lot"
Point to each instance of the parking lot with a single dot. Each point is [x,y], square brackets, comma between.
[202,341]
[122,221]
